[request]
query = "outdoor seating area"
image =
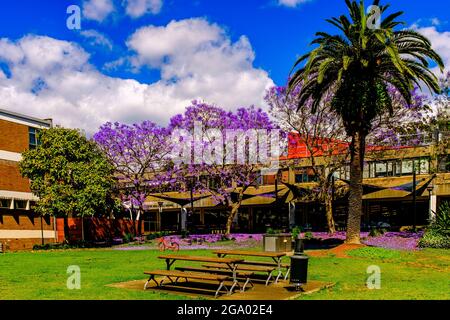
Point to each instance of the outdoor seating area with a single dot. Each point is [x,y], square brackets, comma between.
[227,273]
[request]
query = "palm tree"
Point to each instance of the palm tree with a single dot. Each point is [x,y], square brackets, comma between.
[357,67]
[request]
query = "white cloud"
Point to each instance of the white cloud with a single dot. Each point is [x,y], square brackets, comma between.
[202,60]
[53,78]
[96,38]
[138,8]
[291,3]
[97,10]
[440,42]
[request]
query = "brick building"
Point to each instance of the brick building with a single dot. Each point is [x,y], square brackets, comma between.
[20,227]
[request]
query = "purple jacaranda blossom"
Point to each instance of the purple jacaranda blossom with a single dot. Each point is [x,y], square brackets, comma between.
[389,240]
[224,178]
[140,156]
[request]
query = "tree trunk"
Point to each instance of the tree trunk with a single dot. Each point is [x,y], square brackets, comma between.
[234,209]
[329,215]
[66,229]
[357,149]
[140,222]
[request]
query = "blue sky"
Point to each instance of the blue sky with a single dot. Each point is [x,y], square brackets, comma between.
[146,59]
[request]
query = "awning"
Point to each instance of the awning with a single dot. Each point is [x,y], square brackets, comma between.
[180,201]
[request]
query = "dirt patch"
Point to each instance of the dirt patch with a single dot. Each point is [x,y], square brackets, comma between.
[339,251]
[206,289]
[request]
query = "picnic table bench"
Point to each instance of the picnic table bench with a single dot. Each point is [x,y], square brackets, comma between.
[170,274]
[244,275]
[240,268]
[229,264]
[286,266]
[275,256]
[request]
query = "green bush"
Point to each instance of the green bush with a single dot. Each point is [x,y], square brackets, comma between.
[296,232]
[128,237]
[184,234]
[309,235]
[438,234]
[376,232]
[434,239]
[442,221]
[63,246]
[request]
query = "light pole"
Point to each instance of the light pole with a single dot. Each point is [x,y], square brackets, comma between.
[277,177]
[191,181]
[414,196]
[430,189]
[160,207]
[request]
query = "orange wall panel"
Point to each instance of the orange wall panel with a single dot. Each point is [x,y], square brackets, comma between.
[11,179]
[13,136]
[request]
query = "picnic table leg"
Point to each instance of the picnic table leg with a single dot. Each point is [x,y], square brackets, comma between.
[169,263]
[268,279]
[280,272]
[221,285]
[233,268]
[246,283]
[287,273]
[152,277]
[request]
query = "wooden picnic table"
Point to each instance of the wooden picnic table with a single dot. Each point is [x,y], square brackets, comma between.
[232,263]
[276,256]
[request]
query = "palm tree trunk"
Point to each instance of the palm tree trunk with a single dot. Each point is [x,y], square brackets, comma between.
[357,149]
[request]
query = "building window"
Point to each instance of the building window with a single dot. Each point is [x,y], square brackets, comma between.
[305,175]
[385,169]
[395,168]
[5,203]
[444,164]
[422,166]
[343,173]
[33,137]
[20,204]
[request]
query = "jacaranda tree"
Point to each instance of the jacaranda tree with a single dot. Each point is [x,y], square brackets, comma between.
[357,66]
[222,152]
[139,154]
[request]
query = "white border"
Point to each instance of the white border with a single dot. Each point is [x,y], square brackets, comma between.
[10,156]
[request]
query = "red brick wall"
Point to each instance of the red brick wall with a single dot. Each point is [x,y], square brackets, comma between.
[11,179]
[23,220]
[95,229]
[23,244]
[16,139]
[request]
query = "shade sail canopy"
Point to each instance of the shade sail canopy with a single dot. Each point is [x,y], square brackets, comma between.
[180,201]
[407,188]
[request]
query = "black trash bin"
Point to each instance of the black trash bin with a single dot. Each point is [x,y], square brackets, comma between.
[299,267]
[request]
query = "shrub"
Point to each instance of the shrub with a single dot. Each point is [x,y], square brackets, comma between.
[296,232]
[309,235]
[184,234]
[438,233]
[442,221]
[128,237]
[376,232]
[434,239]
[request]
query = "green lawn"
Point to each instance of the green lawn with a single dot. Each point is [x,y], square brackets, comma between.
[42,275]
